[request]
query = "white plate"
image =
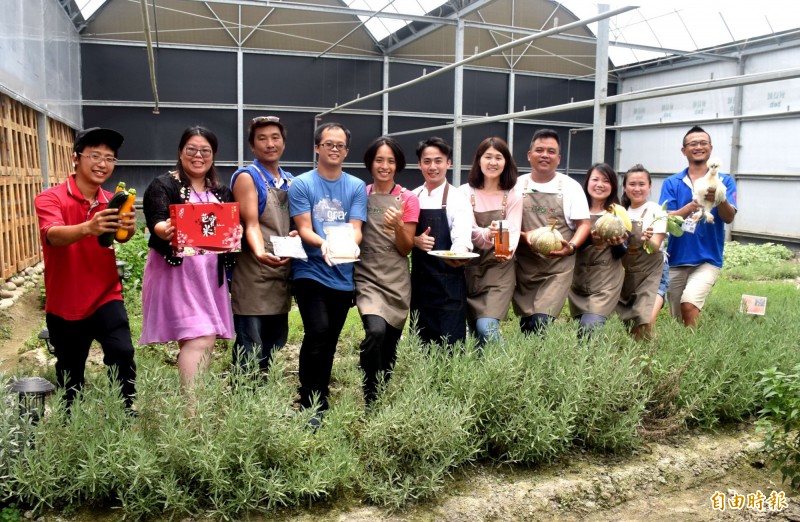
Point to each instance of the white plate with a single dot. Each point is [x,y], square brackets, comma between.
[342,260]
[446,254]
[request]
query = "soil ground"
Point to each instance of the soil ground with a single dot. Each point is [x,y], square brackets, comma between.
[19,323]
[671,481]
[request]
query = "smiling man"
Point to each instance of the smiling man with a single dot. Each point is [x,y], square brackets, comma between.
[695,258]
[320,200]
[260,294]
[548,198]
[438,287]
[84,293]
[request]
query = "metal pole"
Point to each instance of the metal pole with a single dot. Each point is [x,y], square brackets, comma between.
[484,54]
[600,88]
[317,121]
[685,88]
[240,106]
[511,100]
[736,138]
[458,103]
[150,59]
[569,149]
[41,123]
[385,109]
[736,133]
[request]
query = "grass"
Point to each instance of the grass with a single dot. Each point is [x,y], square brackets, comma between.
[528,400]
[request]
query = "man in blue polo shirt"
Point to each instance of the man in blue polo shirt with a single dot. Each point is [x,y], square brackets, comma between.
[84,294]
[695,258]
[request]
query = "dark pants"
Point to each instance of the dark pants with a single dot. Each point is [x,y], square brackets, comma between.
[535,324]
[378,353]
[257,338]
[324,311]
[72,339]
[589,324]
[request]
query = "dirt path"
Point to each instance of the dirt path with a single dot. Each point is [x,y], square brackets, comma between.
[669,481]
[17,324]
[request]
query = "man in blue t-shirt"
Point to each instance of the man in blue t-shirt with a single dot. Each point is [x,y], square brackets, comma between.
[320,200]
[695,258]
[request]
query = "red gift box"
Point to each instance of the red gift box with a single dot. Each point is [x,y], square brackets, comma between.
[207,226]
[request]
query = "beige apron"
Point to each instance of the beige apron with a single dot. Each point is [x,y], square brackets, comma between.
[642,276]
[596,281]
[258,289]
[490,285]
[542,283]
[383,283]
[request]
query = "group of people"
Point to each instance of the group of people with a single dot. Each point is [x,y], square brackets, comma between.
[470,253]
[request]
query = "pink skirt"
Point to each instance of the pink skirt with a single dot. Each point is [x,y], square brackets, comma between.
[184,302]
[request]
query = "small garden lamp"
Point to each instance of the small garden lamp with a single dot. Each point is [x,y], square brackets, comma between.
[32,392]
[122,270]
[44,335]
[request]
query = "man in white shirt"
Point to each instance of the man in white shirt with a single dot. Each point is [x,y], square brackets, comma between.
[548,197]
[438,286]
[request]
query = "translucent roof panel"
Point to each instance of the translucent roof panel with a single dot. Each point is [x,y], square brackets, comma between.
[89,7]
[687,26]
[379,27]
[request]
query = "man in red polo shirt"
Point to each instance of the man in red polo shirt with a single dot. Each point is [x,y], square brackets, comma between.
[84,293]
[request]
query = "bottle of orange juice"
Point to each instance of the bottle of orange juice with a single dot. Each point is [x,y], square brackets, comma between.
[502,245]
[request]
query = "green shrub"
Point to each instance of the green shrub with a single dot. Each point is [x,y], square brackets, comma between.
[743,254]
[134,253]
[780,421]
[528,399]
[416,433]
[10,513]
[532,419]
[749,262]
[612,390]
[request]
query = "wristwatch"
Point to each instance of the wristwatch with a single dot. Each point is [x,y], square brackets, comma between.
[573,247]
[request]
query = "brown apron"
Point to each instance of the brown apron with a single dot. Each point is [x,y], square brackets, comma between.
[258,289]
[490,285]
[542,283]
[596,281]
[642,276]
[383,283]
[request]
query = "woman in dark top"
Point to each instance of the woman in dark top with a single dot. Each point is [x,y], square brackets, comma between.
[185,299]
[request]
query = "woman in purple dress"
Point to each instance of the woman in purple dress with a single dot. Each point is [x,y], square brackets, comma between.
[185,299]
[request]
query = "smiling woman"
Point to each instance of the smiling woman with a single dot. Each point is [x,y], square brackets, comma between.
[185,299]
[497,212]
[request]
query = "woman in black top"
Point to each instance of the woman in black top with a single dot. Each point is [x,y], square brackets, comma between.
[185,299]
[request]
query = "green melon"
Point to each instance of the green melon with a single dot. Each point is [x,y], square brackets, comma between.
[609,226]
[545,240]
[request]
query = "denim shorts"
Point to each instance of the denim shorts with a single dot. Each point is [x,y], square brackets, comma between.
[663,286]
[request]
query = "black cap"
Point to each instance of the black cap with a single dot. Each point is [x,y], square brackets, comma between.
[98,136]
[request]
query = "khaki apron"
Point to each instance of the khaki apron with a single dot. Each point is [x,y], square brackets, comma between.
[258,289]
[642,276]
[490,285]
[383,283]
[596,281]
[542,283]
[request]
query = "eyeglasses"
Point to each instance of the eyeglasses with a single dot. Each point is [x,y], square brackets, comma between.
[191,152]
[702,143]
[333,146]
[264,119]
[99,158]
